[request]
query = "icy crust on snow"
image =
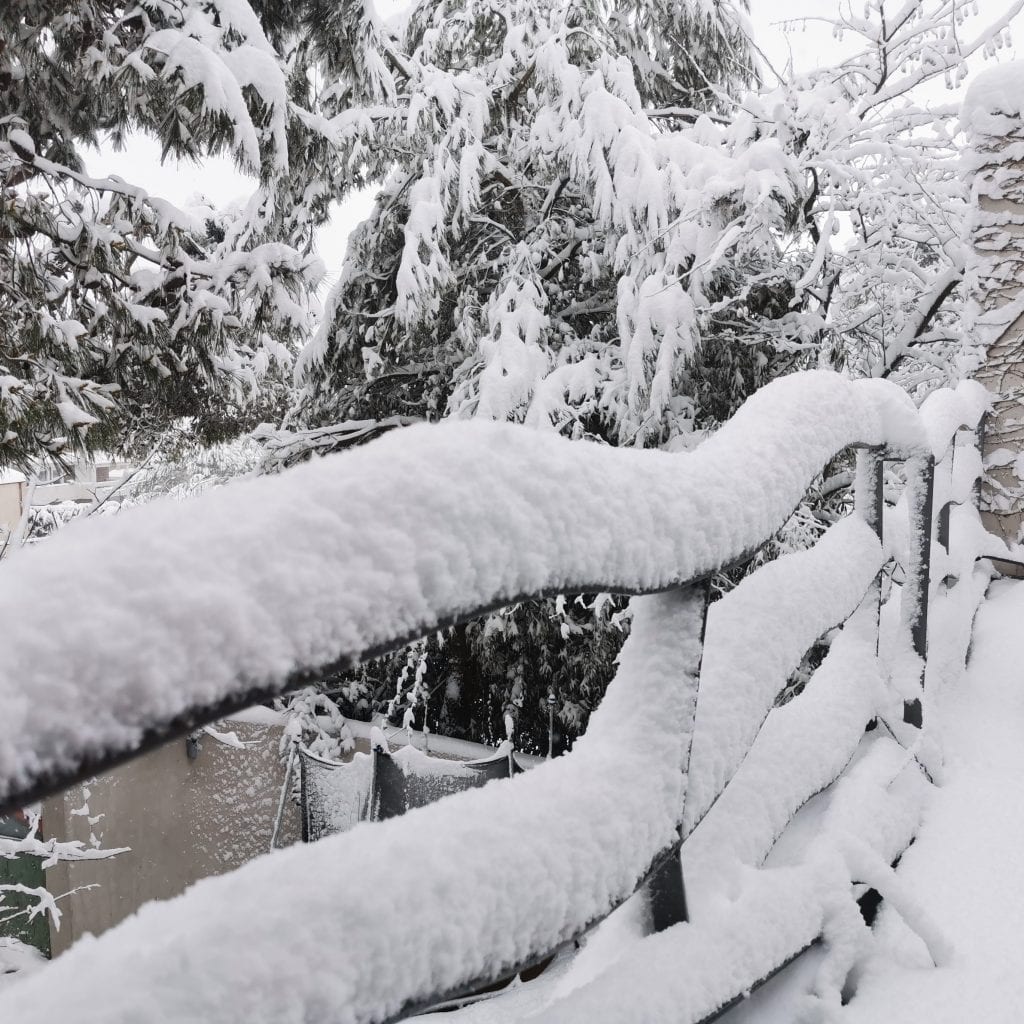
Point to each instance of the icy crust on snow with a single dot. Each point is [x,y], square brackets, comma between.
[124,623]
[479,880]
[995,95]
[756,638]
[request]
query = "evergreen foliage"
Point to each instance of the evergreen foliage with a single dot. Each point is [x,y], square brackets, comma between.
[520,148]
[119,313]
[590,219]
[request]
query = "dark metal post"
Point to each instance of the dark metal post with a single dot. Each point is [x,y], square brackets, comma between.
[980,435]
[666,890]
[666,893]
[920,499]
[868,497]
[869,501]
[304,799]
[552,701]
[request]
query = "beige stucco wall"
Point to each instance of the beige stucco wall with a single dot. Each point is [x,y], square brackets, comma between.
[182,819]
[11,497]
[1003,374]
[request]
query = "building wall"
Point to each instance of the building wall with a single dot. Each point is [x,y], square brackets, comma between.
[11,497]
[183,820]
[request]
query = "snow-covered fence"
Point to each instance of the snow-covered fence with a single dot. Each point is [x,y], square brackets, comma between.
[131,630]
[243,592]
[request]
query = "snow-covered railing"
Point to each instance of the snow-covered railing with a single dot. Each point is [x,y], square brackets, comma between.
[244,592]
[127,631]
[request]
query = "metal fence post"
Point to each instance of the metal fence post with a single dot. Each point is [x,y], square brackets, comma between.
[665,888]
[869,503]
[920,500]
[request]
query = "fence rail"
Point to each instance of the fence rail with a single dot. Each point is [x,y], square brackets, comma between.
[592,828]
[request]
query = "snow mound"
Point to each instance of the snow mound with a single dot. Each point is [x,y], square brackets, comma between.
[996,94]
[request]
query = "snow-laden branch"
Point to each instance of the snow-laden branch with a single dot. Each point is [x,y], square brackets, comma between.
[233,596]
[51,850]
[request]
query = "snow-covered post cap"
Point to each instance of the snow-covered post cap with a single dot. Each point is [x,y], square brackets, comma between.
[378,741]
[992,116]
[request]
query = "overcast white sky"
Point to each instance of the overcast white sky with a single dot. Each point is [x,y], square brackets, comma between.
[808,44]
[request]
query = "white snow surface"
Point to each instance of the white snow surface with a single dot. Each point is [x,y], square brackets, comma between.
[201,601]
[802,748]
[17,959]
[996,94]
[742,930]
[756,638]
[947,410]
[966,865]
[687,972]
[300,935]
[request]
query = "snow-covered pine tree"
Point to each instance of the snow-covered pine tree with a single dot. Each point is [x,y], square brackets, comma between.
[586,223]
[560,195]
[561,192]
[120,313]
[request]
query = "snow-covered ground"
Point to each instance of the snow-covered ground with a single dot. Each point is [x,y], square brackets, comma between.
[17,959]
[967,865]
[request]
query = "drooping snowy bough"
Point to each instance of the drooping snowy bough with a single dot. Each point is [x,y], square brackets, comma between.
[172,614]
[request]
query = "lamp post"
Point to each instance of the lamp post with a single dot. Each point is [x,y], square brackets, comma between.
[552,701]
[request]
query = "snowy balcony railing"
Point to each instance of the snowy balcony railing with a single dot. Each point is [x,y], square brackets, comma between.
[139,628]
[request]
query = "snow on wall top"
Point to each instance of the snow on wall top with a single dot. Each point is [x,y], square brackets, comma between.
[119,625]
[994,95]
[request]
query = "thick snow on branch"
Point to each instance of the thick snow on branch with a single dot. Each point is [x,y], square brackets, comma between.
[365,930]
[204,601]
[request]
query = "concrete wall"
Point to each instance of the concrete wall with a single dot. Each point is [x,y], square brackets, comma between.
[183,820]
